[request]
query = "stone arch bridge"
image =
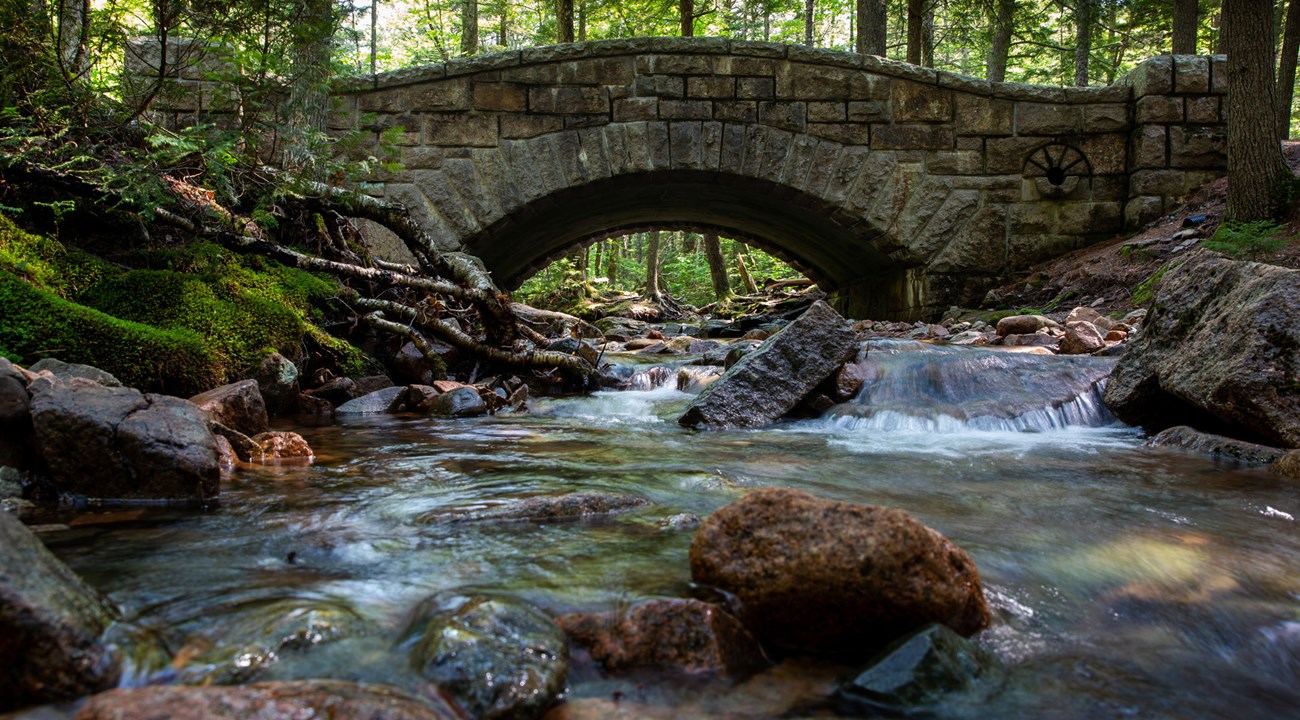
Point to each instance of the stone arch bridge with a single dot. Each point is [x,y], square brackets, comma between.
[898,189]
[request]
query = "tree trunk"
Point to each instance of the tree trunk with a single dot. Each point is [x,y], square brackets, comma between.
[873,23]
[1000,44]
[74,35]
[686,13]
[927,37]
[1186,20]
[1286,69]
[469,27]
[504,32]
[717,267]
[308,106]
[564,21]
[1083,13]
[809,6]
[611,262]
[745,278]
[1255,164]
[582,22]
[915,30]
[652,268]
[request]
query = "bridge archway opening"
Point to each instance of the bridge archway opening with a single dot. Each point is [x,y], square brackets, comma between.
[845,257]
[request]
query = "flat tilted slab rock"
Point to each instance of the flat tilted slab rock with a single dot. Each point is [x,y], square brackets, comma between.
[768,382]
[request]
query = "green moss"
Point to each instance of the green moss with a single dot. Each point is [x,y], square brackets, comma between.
[1145,292]
[36,323]
[1247,240]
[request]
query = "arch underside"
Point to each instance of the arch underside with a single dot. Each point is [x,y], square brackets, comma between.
[794,226]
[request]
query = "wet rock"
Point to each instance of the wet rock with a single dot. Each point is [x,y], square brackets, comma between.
[669,634]
[574,346]
[694,379]
[833,578]
[767,383]
[620,327]
[1042,340]
[50,626]
[281,445]
[336,391]
[1024,324]
[680,521]
[417,398]
[17,447]
[117,442]
[641,343]
[498,656]
[738,351]
[378,401]
[1090,315]
[543,509]
[67,371]
[972,337]
[463,401]
[411,367]
[558,324]
[363,386]
[1188,438]
[1287,466]
[1081,338]
[289,700]
[853,375]
[920,671]
[1223,339]
[277,380]
[313,406]
[239,406]
[699,347]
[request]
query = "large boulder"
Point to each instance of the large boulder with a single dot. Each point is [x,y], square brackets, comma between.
[1220,349]
[767,383]
[239,406]
[286,700]
[66,371]
[1188,438]
[119,443]
[668,634]
[277,380]
[499,657]
[50,626]
[378,401]
[834,578]
[16,446]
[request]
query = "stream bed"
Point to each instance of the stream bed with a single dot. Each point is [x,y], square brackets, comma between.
[1126,581]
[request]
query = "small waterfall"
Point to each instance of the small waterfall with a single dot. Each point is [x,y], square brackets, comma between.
[651,378]
[918,387]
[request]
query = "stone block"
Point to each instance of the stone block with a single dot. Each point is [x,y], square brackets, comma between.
[783,114]
[978,246]
[733,148]
[674,65]
[802,152]
[1154,76]
[911,137]
[914,102]
[1107,154]
[1198,147]
[1157,182]
[568,100]
[1141,210]
[1191,74]
[548,74]
[384,101]
[1150,148]
[982,116]
[460,130]
[1038,218]
[504,97]
[1005,156]
[1105,118]
[824,160]
[1089,218]
[442,201]
[827,111]
[846,133]
[463,175]
[710,86]
[1024,250]
[710,145]
[443,96]
[1159,109]
[739,65]
[869,111]
[685,109]
[848,165]
[528,126]
[664,86]
[745,111]
[1219,74]
[636,108]
[597,71]
[954,162]
[755,88]
[1204,110]
[422,158]
[686,144]
[1047,119]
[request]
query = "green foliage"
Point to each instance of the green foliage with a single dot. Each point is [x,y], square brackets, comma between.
[1247,239]
[1145,292]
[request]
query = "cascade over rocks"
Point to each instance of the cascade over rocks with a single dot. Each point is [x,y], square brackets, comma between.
[285,700]
[238,406]
[767,383]
[1222,338]
[832,578]
[50,625]
[119,443]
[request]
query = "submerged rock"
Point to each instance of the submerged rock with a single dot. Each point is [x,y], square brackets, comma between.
[1287,466]
[833,578]
[921,670]
[1188,438]
[463,401]
[120,443]
[378,401]
[768,382]
[291,700]
[545,508]
[238,405]
[50,626]
[669,634]
[499,657]
[1222,341]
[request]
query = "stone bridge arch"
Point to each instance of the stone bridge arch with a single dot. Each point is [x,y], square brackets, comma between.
[899,189]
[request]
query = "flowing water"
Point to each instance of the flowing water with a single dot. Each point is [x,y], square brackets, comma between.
[1126,581]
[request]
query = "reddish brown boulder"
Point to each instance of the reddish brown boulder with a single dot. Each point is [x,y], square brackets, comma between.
[279,445]
[833,578]
[1081,337]
[669,634]
[238,405]
[289,700]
